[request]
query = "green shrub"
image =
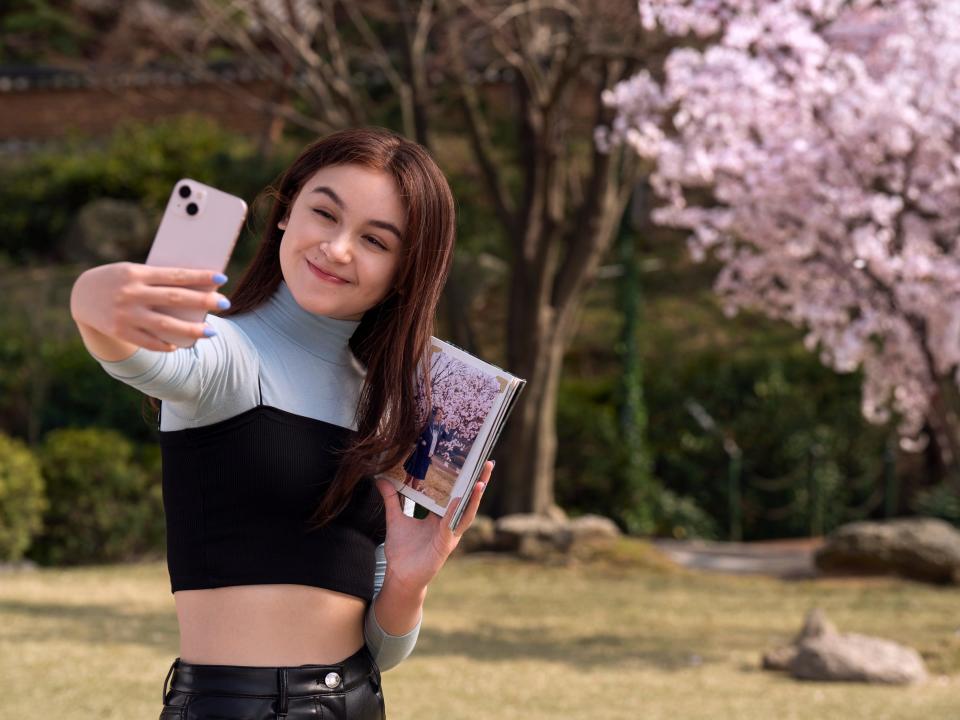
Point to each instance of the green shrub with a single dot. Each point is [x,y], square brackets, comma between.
[22,501]
[590,475]
[810,461]
[941,501]
[680,517]
[41,194]
[105,502]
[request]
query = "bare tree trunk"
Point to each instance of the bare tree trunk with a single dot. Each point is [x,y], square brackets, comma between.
[944,420]
[529,446]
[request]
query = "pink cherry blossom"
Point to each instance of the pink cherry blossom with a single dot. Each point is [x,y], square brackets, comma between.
[813,146]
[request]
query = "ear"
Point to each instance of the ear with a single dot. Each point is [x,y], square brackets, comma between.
[282,224]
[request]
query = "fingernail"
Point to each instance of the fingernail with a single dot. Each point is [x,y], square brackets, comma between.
[223,303]
[494,464]
[219,278]
[209,331]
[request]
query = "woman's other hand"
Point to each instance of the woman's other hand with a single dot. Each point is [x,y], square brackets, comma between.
[416,549]
[115,306]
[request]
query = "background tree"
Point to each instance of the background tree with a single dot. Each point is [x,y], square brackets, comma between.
[528,78]
[814,149]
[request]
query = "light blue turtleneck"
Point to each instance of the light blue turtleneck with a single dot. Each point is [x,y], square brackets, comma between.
[304,365]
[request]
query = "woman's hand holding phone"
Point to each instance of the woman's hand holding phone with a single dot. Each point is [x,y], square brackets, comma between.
[119,302]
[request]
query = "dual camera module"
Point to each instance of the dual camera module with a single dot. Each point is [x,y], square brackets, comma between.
[185,192]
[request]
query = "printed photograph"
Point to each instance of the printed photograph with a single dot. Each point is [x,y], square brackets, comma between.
[462,398]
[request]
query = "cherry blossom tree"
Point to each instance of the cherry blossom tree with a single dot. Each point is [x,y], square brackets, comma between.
[813,147]
[465,394]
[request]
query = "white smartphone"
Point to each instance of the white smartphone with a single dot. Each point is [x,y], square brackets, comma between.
[198,230]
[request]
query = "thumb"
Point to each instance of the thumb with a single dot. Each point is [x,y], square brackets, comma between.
[392,500]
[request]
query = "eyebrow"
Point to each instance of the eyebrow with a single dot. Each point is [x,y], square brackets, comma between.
[339,203]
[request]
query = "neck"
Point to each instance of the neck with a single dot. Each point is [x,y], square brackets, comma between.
[320,335]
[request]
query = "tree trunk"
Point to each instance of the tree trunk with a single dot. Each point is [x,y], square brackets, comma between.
[528,449]
[944,419]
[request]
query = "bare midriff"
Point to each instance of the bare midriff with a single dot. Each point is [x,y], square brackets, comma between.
[268,625]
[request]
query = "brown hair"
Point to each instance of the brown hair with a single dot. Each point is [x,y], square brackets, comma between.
[393,335]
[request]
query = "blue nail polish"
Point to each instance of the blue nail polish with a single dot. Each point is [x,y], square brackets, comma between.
[223,303]
[209,331]
[219,278]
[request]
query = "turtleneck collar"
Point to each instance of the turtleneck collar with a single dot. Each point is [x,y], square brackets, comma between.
[320,335]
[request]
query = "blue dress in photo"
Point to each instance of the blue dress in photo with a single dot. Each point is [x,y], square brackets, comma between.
[419,461]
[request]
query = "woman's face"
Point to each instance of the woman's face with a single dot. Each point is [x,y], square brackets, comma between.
[345,223]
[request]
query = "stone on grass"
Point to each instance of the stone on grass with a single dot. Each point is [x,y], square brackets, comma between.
[779,658]
[479,536]
[920,548]
[594,528]
[821,653]
[591,533]
[859,658]
[532,536]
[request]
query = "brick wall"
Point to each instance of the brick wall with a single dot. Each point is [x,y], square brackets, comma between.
[36,114]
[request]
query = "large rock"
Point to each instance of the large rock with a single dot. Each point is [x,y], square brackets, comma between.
[821,653]
[594,528]
[108,230]
[920,548]
[532,536]
[479,536]
[815,625]
[592,532]
[859,658]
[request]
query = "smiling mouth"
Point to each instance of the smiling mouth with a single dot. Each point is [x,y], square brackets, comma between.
[325,275]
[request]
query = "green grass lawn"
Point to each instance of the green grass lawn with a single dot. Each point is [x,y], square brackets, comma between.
[509,639]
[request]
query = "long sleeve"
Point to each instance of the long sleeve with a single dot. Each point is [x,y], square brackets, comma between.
[388,650]
[214,379]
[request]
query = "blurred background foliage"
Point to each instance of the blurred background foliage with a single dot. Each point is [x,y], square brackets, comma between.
[808,460]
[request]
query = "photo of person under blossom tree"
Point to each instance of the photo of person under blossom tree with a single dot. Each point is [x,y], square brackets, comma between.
[461,397]
[418,463]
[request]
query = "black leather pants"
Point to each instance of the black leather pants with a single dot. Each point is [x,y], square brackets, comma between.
[347,690]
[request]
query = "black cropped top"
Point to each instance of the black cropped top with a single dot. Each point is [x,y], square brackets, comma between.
[238,495]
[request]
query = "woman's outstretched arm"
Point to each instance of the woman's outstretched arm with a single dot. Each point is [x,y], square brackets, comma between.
[112,306]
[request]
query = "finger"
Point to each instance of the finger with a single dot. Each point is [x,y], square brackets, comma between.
[146,340]
[162,325]
[474,502]
[154,275]
[389,492]
[178,297]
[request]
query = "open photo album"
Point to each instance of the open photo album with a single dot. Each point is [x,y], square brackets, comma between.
[472,400]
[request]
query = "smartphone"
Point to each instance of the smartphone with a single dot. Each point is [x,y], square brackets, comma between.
[199,229]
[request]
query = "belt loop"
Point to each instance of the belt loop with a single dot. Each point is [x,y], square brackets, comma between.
[167,678]
[282,682]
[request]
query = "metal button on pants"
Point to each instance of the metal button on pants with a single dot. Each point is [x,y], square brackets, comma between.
[347,690]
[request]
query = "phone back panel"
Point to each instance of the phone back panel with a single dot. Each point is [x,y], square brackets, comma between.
[204,239]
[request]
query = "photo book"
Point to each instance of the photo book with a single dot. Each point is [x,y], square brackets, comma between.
[472,400]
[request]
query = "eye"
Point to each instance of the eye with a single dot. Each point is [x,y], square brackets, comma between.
[375,241]
[324,213]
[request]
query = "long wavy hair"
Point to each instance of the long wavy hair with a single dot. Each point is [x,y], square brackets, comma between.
[394,335]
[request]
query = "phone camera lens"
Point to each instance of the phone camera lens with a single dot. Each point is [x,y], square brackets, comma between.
[192,209]
[185,192]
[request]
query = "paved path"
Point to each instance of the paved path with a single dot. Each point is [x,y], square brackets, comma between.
[780,558]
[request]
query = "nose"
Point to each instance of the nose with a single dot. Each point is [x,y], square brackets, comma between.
[338,248]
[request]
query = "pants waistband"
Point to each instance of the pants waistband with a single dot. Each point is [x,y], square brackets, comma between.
[285,681]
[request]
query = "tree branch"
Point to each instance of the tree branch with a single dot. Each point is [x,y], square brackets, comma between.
[477,126]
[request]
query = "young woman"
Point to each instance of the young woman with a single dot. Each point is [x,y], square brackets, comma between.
[297,578]
[419,461]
